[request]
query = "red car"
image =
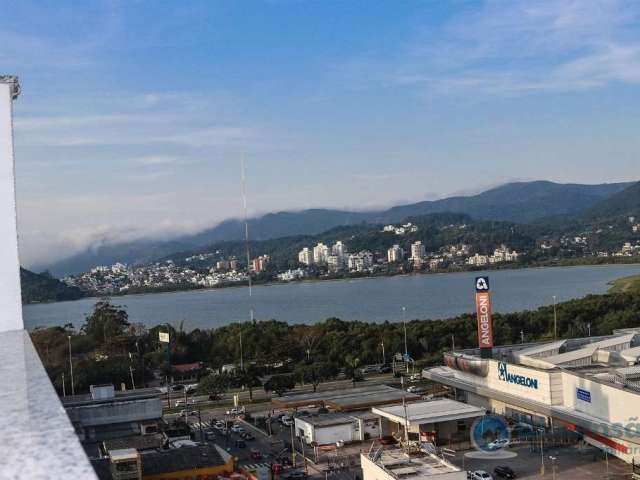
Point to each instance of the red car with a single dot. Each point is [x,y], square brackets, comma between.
[256,454]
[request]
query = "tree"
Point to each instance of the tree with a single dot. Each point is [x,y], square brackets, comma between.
[213,386]
[352,363]
[250,379]
[280,384]
[316,373]
[107,324]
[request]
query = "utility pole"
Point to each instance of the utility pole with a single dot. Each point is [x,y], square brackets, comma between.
[555,319]
[73,388]
[406,350]
[589,328]
[522,336]
[384,359]
[64,391]
[241,359]
[453,343]
[133,383]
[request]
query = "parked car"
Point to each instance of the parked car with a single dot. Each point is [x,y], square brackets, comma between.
[256,454]
[479,475]
[193,413]
[385,369]
[498,444]
[416,377]
[209,435]
[247,436]
[236,411]
[413,389]
[236,428]
[219,425]
[287,421]
[177,387]
[502,471]
[296,475]
[183,413]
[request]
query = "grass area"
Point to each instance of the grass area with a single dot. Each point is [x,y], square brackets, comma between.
[626,285]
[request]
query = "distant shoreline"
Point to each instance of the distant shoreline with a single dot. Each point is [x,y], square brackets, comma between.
[507,266]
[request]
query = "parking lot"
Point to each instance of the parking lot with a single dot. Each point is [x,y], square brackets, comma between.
[570,463]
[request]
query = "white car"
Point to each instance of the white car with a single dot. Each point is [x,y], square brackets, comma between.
[498,444]
[479,475]
[413,389]
[416,377]
[287,421]
[236,411]
[237,429]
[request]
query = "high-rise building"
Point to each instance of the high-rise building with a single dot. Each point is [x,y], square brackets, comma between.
[395,254]
[338,249]
[417,251]
[259,264]
[320,253]
[305,256]
[335,263]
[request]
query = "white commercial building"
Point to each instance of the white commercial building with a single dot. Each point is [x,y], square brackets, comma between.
[441,421]
[417,251]
[589,388]
[337,428]
[339,249]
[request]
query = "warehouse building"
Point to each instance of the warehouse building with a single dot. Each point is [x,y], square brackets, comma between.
[590,386]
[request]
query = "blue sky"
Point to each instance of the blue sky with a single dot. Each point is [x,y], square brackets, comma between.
[135,115]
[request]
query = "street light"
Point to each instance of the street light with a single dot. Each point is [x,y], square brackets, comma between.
[406,350]
[555,319]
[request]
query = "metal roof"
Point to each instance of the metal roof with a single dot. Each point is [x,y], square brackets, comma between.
[432,411]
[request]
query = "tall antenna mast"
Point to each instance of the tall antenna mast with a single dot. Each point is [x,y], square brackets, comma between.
[246,229]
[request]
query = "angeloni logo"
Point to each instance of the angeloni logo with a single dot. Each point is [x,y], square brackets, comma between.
[505,376]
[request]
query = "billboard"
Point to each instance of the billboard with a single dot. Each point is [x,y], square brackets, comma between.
[163,337]
[483,311]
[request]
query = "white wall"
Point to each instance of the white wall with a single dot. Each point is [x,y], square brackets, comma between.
[10,301]
[334,433]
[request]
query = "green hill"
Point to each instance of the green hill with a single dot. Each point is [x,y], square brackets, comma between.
[41,287]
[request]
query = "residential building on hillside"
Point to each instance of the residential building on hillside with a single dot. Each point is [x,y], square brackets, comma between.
[395,254]
[360,262]
[260,263]
[320,253]
[305,256]
[417,253]
[339,249]
[335,263]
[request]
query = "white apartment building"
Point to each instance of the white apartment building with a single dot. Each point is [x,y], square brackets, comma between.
[305,256]
[395,254]
[360,262]
[418,253]
[320,253]
[339,249]
[335,263]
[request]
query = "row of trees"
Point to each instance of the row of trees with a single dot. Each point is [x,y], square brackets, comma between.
[109,348]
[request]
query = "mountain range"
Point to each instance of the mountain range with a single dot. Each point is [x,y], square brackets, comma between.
[518,202]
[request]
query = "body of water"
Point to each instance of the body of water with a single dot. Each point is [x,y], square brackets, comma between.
[369,299]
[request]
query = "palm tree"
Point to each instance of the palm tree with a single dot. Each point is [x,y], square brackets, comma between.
[352,364]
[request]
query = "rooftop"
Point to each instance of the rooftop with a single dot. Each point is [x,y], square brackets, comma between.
[398,464]
[432,411]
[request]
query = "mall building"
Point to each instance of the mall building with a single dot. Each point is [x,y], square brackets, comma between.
[587,385]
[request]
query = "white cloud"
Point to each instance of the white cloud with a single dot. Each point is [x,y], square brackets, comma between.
[514,48]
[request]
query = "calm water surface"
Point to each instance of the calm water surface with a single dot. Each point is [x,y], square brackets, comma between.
[372,299]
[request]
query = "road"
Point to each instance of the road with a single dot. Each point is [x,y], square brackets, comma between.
[259,395]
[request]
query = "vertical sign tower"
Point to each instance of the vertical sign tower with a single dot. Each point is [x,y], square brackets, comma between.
[483,311]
